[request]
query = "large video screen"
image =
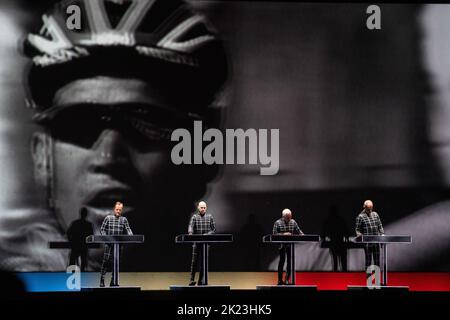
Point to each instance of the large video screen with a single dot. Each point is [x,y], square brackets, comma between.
[251,107]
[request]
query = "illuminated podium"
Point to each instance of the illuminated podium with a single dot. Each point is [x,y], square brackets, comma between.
[290,241]
[203,240]
[383,240]
[115,241]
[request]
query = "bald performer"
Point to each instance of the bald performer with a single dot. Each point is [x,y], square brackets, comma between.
[200,223]
[285,226]
[368,223]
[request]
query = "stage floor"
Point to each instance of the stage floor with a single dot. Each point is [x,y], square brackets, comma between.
[47,282]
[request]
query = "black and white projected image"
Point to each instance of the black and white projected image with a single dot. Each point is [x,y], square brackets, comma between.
[332,114]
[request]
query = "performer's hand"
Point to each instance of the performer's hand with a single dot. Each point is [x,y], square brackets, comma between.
[190,233]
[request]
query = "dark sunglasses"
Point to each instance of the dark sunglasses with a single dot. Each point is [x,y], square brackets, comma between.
[143,128]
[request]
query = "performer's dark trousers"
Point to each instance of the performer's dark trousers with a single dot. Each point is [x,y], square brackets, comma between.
[372,250]
[107,261]
[284,251]
[76,253]
[197,258]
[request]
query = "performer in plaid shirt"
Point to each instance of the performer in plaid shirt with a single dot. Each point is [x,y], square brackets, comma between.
[200,223]
[287,226]
[368,223]
[112,225]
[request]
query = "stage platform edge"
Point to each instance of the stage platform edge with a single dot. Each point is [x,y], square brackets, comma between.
[287,288]
[111,289]
[380,288]
[207,288]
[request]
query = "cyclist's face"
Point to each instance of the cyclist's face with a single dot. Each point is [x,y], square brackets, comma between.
[99,153]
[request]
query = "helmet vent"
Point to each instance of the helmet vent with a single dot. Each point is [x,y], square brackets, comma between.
[116,10]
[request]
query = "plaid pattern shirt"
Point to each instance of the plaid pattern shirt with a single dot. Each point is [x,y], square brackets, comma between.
[202,224]
[369,224]
[280,226]
[113,225]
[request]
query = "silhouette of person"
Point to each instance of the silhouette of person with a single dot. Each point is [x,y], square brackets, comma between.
[250,243]
[335,232]
[77,233]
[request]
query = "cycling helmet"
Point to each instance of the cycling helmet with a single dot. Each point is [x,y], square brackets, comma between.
[162,41]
